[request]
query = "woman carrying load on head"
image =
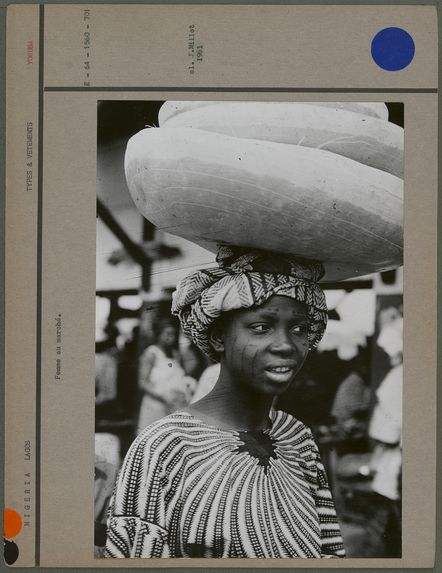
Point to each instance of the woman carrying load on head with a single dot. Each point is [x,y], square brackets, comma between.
[228,476]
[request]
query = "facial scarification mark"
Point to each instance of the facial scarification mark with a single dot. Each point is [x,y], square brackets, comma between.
[233,343]
[255,355]
[242,355]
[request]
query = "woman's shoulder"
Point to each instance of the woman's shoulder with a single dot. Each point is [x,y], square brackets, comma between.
[168,424]
[179,426]
[154,350]
[150,444]
[296,439]
[161,444]
[151,354]
[287,427]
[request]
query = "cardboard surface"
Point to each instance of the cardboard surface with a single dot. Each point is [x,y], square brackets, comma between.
[140,52]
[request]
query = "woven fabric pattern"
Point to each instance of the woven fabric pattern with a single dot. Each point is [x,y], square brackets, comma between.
[188,489]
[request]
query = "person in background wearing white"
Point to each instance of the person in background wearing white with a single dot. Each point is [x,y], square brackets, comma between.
[162,380]
[386,428]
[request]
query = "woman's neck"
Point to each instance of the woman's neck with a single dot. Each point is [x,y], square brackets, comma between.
[233,406]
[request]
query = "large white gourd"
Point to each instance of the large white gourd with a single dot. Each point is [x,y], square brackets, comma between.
[372,141]
[372,109]
[215,189]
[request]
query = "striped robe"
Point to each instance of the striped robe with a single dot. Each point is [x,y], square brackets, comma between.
[188,489]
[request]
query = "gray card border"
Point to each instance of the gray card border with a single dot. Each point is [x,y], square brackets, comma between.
[3,5]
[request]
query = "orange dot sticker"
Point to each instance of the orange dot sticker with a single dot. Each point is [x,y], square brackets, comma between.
[12,523]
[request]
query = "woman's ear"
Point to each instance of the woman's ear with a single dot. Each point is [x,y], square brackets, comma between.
[216,338]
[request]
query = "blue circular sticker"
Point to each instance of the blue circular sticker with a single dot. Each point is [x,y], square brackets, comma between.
[392,49]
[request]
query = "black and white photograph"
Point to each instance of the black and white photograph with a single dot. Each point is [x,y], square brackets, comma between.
[249,320]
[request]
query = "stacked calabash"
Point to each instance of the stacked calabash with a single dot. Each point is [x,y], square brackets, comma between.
[320,180]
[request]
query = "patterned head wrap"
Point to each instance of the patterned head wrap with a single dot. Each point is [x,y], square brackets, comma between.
[246,278]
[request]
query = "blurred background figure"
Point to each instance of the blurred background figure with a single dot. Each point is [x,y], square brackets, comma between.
[386,463]
[106,370]
[105,476]
[163,383]
[352,402]
[107,406]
